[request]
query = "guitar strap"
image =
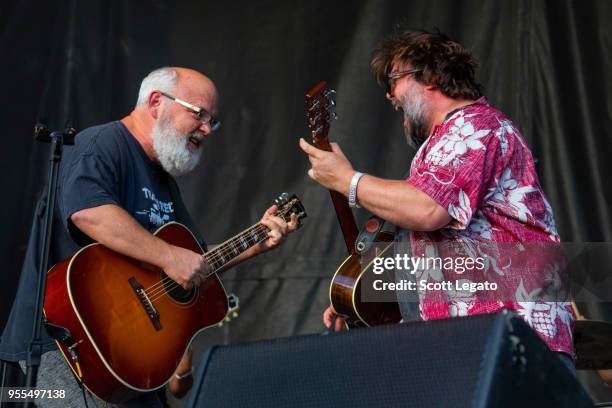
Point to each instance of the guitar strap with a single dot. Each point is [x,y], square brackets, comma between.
[408,302]
[182,215]
[373,226]
[367,235]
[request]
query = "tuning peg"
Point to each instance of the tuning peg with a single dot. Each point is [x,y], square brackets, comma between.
[333,116]
[315,119]
[282,199]
[330,105]
[220,324]
[329,93]
[234,314]
[314,105]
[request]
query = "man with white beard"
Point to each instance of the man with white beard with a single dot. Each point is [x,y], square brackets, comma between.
[472,181]
[116,188]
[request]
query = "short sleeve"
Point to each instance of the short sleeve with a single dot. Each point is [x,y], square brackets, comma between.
[91,181]
[458,170]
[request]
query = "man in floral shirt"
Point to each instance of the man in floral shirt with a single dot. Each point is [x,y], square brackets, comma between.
[472,183]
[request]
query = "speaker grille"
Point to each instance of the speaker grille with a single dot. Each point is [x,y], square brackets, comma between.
[374,367]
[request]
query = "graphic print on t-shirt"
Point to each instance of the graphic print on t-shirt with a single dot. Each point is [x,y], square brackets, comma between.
[160,211]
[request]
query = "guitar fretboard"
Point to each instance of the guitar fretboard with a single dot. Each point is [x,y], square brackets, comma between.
[236,245]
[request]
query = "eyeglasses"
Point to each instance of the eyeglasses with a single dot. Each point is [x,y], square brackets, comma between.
[395,75]
[203,116]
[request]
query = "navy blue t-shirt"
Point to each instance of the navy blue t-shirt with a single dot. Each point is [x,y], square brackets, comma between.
[107,165]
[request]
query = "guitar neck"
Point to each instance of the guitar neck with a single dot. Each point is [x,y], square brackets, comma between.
[346,220]
[235,246]
[348,226]
[319,101]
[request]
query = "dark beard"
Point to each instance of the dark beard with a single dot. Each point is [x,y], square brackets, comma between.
[417,134]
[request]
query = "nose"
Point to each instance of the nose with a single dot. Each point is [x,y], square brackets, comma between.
[205,128]
[390,95]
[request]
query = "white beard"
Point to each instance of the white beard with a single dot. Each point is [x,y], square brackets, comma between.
[171,147]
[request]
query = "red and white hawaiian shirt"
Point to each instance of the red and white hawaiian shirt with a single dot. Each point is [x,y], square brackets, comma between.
[477,166]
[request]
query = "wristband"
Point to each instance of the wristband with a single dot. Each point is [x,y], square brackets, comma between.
[352,197]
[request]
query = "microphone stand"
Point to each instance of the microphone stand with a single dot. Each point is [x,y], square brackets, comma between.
[57,139]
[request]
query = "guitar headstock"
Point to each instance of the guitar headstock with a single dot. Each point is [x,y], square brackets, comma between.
[319,104]
[290,204]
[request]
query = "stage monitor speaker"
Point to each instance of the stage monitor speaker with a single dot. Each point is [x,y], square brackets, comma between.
[492,360]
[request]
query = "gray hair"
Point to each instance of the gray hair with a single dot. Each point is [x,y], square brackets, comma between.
[162,79]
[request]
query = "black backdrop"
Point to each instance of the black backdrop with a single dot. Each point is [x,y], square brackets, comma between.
[544,63]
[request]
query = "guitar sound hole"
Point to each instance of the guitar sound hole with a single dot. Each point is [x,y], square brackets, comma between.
[176,291]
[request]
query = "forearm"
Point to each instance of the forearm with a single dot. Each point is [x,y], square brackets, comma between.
[182,380]
[114,228]
[393,200]
[400,203]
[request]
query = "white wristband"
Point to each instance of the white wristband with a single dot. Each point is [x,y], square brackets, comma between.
[352,197]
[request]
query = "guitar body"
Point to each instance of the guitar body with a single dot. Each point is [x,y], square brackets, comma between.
[345,289]
[345,293]
[121,350]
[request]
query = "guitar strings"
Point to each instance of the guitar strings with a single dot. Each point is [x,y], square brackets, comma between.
[219,253]
[155,293]
[158,289]
[173,284]
[168,284]
[214,256]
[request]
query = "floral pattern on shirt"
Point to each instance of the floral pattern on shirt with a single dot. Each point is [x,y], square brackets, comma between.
[477,166]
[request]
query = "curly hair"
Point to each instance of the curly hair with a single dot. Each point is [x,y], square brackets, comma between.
[442,62]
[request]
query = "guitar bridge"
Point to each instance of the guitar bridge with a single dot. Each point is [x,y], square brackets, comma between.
[146,303]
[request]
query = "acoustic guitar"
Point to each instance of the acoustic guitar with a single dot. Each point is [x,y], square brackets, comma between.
[346,286]
[127,323]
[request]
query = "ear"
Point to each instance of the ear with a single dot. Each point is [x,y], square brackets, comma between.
[154,104]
